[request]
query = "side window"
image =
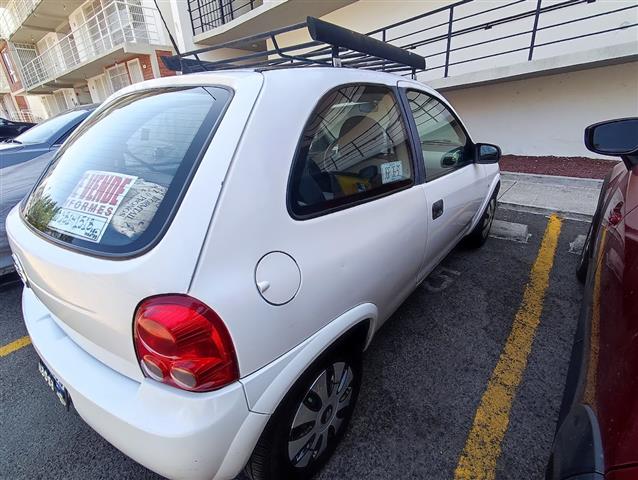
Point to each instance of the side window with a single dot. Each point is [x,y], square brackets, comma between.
[354,147]
[443,141]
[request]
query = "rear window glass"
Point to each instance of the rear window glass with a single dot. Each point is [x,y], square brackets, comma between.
[114,184]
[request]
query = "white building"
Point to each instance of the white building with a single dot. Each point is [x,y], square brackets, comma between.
[526,74]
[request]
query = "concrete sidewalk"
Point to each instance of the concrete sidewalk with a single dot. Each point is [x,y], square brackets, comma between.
[573,198]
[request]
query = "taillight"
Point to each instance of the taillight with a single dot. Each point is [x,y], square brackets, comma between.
[182,342]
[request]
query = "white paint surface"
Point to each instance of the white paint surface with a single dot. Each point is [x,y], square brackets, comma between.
[548,115]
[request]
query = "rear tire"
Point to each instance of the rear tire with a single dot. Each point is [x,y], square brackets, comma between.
[309,423]
[478,236]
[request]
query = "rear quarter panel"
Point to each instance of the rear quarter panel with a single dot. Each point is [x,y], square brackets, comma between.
[362,254]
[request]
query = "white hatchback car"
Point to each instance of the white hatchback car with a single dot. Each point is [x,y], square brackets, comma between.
[209,255]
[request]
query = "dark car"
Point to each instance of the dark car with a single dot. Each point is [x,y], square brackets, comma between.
[10,129]
[23,160]
[42,138]
[597,433]
[17,181]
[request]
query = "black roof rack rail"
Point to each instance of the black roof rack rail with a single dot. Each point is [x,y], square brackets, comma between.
[331,45]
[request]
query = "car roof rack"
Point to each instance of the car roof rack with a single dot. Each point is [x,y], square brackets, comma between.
[331,46]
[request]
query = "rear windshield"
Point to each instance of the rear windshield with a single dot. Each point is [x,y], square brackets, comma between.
[113,186]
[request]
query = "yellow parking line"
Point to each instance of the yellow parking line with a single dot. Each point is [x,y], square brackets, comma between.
[15,345]
[483,444]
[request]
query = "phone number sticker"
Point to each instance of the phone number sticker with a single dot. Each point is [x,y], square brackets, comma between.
[391,172]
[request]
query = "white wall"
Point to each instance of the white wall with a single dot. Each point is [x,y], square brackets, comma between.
[36,106]
[367,15]
[548,115]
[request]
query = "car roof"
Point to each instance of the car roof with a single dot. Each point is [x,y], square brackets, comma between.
[334,75]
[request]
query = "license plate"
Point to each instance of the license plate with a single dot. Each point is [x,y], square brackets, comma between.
[55,385]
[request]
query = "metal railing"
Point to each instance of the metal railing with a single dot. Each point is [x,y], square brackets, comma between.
[108,28]
[209,14]
[21,116]
[14,13]
[26,116]
[469,35]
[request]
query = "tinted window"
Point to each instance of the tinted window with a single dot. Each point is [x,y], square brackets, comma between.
[113,185]
[354,147]
[443,141]
[51,129]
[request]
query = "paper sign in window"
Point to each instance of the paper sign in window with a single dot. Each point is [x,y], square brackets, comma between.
[88,210]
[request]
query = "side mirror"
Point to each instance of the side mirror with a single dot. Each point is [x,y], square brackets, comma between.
[614,137]
[487,153]
[451,159]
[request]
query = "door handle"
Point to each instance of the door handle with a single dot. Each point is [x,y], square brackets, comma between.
[437,209]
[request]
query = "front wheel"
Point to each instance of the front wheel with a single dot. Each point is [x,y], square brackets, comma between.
[310,422]
[479,235]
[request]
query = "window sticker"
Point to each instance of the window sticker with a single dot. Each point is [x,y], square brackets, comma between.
[89,208]
[391,171]
[138,208]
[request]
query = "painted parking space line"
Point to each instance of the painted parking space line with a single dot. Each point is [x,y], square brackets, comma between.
[483,444]
[15,345]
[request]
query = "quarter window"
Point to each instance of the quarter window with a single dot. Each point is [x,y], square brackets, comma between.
[443,140]
[354,147]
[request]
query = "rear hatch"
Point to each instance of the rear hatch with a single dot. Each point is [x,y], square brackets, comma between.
[122,211]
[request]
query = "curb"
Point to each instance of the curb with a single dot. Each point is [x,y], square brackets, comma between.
[552,179]
[579,217]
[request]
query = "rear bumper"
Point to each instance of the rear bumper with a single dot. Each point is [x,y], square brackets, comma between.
[176,434]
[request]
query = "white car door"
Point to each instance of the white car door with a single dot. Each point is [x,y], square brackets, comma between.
[454,185]
[355,181]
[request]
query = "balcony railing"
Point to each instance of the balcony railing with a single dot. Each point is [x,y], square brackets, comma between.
[472,35]
[26,116]
[110,27]
[21,116]
[14,13]
[209,14]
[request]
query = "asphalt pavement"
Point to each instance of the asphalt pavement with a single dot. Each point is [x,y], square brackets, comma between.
[425,374]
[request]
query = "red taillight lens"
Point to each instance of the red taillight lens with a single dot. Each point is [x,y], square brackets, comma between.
[182,342]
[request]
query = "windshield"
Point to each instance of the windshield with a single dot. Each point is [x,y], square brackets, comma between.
[52,129]
[114,185]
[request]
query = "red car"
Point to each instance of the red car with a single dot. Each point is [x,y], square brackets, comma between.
[597,433]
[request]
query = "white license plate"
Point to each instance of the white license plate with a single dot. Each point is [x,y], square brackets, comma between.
[55,385]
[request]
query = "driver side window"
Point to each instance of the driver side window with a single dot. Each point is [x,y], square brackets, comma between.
[443,141]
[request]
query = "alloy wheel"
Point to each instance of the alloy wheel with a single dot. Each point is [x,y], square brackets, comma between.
[321,414]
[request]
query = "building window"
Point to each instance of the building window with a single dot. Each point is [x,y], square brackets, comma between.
[118,75]
[8,64]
